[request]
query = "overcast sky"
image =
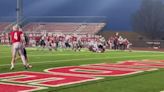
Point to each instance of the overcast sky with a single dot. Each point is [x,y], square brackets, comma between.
[118,12]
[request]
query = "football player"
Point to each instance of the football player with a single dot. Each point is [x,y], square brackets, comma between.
[16,36]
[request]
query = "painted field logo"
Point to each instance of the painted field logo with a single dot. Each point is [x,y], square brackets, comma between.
[12,82]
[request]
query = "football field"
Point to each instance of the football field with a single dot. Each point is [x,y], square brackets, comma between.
[150,80]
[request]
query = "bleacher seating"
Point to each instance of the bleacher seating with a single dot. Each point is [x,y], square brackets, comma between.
[92,28]
[3,25]
[80,28]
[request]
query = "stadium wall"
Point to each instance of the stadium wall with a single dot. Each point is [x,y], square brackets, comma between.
[138,40]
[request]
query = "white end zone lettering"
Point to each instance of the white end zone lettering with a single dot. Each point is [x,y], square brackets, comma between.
[43,79]
[60,76]
[91,71]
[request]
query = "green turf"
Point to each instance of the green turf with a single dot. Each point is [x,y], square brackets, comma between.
[143,82]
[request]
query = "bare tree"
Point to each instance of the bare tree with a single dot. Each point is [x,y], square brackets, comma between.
[149,19]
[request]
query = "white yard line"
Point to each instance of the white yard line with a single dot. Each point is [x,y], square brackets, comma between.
[138,51]
[84,59]
[110,51]
[74,54]
[148,51]
[53,54]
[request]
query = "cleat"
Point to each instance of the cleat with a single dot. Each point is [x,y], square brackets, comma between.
[29,66]
[25,67]
[11,68]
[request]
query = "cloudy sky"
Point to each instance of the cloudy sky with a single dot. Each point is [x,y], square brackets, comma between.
[118,12]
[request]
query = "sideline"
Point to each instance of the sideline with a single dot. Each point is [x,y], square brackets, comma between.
[84,59]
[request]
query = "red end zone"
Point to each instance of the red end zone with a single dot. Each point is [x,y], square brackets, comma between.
[43,79]
[71,75]
[8,87]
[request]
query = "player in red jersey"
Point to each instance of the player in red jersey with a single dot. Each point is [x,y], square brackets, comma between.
[17,46]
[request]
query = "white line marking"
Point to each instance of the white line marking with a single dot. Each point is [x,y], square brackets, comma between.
[53,54]
[75,54]
[107,51]
[148,51]
[84,59]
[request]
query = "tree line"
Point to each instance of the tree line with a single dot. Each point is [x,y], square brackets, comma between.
[148,20]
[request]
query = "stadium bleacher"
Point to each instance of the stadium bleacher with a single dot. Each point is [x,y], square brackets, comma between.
[66,28]
[3,25]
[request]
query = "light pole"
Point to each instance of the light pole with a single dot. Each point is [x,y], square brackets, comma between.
[19,11]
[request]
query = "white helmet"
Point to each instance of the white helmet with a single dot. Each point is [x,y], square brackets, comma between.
[15,27]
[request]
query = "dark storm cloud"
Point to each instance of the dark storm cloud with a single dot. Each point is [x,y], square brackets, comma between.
[118,11]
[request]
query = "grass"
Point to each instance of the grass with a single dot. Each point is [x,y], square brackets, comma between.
[142,82]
